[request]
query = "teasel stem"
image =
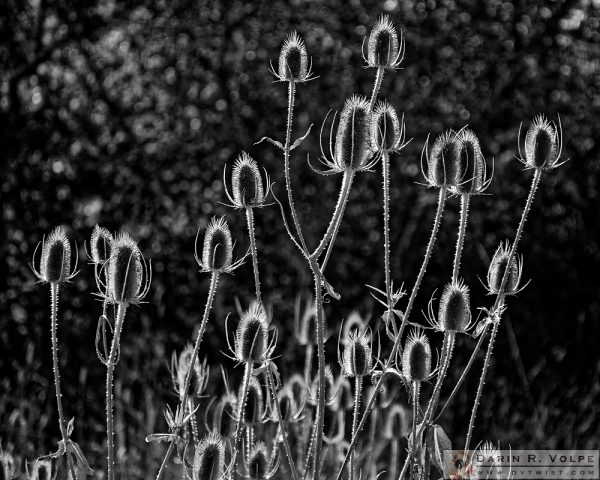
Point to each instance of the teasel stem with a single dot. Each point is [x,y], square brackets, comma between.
[253,250]
[358,381]
[465,199]
[54,326]
[281,427]
[371,446]
[308,361]
[394,453]
[376,87]
[415,418]
[436,225]
[447,349]
[242,405]
[214,281]
[385,162]
[500,302]
[193,421]
[110,369]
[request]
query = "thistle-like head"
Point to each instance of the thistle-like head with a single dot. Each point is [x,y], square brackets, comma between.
[358,355]
[331,388]
[543,144]
[217,248]
[128,277]
[498,267]
[294,65]
[443,160]
[416,357]
[454,314]
[225,415]
[471,174]
[100,245]
[209,458]
[252,339]
[387,131]
[247,184]
[55,261]
[384,48]
[254,410]
[259,464]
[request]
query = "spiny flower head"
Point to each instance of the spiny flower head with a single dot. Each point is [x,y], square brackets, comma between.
[384,49]
[217,248]
[354,323]
[455,311]
[55,262]
[251,340]
[128,276]
[387,132]
[331,391]
[443,161]
[543,144]
[225,415]
[246,184]
[358,359]
[471,172]
[100,245]
[254,410]
[498,267]
[180,366]
[259,464]
[209,458]
[293,61]
[416,357]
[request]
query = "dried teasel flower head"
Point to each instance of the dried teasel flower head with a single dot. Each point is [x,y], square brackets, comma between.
[498,267]
[397,423]
[260,465]
[543,144]
[209,458]
[55,261]
[354,323]
[254,411]
[251,339]
[294,65]
[416,357]
[384,48]
[443,160]
[128,275]
[100,245]
[471,175]
[358,358]
[246,184]
[217,248]
[454,314]
[331,388]
[387,131]
[225,415]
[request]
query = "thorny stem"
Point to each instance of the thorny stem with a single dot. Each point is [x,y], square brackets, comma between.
[250,224]
[110,369]
[371,445]
[415,418]
[464,214]
[358,381]
[240,414]
[500,301]
[214,280]
[447,350]
[61,416]
[193,421]
[376,87]
[436,225]
[385,162]
[281,426]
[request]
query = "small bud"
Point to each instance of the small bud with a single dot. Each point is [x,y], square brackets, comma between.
[541,144]
[497,268]
[352,141]
[209,458]
[443,161]
[55,264]
[470,176]
[416,358]
[247,184]
[217,253]
[251,336]
[101,245]
[293,60]
[125,271]
[455,312]
[255,405]
[386,131]
[383,49]
[357,355]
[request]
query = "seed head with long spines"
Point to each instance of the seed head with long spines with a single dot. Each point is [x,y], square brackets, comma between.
[443,160]
[247,188]
[127,274]
[384,48]
[471,175]
[100,245]
[358,358]
[209,458]
[497,268]
[251,340]
[55,261]
[387,131]
[294,65]
[543,144]
[217,248]
[454,314]
[416,357]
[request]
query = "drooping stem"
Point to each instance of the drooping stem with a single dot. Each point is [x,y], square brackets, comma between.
[464,214]
[110,369]
[214,280]
[240,413]
[254,251]
[436,225]
[358,381]
[500,301]
[62,424]
[282,427]
[376,86]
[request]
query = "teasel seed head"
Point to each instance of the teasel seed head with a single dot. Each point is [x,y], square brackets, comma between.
[331,391]
[443,160]
[289,408]
[100,245]
[126,272]
[455,311]
[416,357]
[251,341]
[254,411]
[258,464]
[352,141]
[387,131]
[209,458]
[246,184]
[224,416]
[358,359]
[384,49]
[293,60]
[55,262]
[217,251]
[497,268]
[180,367]
[543,144]
[396,423]
[354,323]
[471,171]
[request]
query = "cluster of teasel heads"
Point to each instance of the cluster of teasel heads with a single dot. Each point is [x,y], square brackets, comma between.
[312,424]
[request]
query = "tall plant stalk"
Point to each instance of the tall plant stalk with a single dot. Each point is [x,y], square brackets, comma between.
[358,381]
[464,214]
[254,252]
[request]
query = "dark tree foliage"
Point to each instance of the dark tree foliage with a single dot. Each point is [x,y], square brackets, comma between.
[125,113]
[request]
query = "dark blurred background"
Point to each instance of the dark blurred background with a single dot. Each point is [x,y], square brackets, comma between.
[125,113]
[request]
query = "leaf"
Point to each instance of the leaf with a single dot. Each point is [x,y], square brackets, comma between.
[161,437]
[270,140]
[439,448]
[301,139]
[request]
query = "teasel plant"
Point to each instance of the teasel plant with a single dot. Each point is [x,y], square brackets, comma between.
[248,193]
[216,258]
[128,278]
[55,268]
[209,458]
